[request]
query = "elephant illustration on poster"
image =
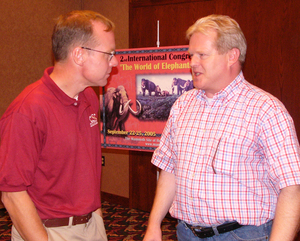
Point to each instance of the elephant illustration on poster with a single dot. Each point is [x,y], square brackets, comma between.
[117,108]
[149,86]
[180,83]
[187,86]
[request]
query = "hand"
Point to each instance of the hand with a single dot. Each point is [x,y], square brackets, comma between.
[153,235]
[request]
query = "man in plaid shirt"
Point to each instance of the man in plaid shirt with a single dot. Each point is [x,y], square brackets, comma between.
[229,154]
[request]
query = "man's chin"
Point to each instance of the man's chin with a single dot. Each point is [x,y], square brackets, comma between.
[197,83]
[103,83]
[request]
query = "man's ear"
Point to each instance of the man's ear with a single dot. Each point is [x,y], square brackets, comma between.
[78,55]
[233,55]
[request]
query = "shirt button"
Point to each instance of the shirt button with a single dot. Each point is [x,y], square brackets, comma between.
[75,103]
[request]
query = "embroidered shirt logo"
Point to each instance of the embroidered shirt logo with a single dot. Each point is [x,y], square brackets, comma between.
[93,120]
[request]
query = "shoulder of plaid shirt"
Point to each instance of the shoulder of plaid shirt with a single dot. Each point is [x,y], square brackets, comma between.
[230,158]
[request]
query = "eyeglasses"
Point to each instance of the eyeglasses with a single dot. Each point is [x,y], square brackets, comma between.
[111,54]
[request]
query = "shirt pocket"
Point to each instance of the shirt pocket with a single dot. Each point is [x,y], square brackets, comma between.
[230,156]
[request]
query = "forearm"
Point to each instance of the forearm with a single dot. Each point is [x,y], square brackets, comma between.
[24,216]
[287,216]
[164,196]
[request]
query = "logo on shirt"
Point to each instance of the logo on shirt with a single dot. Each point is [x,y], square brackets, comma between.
[93,120]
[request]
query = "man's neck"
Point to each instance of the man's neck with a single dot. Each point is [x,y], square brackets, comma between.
[66,81]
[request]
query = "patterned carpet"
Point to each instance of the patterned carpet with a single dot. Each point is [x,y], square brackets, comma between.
[120,223]
[5,225]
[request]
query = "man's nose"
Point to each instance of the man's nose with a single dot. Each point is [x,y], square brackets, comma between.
[114,61]
[194,60]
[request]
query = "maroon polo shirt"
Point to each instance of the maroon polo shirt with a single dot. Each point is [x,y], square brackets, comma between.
[50,147]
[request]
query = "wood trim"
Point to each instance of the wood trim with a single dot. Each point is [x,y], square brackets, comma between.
[112,198]
[142,180]
[145,3]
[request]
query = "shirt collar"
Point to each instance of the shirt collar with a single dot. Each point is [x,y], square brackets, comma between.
[227,93]
[60,95]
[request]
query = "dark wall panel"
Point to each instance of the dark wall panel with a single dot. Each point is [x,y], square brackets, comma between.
[174,19]
[271,27]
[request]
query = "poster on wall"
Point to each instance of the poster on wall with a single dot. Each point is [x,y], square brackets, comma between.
[136,102]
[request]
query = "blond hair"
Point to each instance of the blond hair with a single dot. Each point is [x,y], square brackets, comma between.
[229,33]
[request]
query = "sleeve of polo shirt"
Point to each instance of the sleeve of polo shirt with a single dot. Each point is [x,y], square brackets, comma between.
[19,151]
[163,156]
[281,148]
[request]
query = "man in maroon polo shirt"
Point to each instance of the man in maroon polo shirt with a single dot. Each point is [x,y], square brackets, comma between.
[50,152]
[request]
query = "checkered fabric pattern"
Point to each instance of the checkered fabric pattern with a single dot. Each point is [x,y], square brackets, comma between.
[231,156]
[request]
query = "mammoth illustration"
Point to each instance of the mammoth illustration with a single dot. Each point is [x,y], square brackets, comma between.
[117,108]
[165,93]
[148,85]
[157,91]
[187,86]
[180,83]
